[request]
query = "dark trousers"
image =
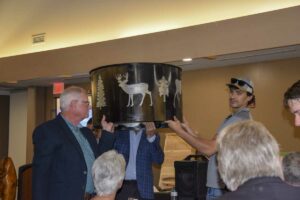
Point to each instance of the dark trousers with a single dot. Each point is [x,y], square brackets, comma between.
[128,190]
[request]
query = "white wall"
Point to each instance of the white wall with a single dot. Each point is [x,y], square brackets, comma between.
[18,128]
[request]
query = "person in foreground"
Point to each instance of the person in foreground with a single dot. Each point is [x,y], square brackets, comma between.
[108,173]
[249,164]
[64,151]
[292,101]
[241,98]
[291,168]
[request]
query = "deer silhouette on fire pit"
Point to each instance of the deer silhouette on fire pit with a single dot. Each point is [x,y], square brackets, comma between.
[133,89]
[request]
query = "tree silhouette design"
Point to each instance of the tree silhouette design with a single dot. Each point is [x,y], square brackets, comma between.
[101,100]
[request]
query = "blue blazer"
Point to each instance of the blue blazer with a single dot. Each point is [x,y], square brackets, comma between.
[147,154]
[59,169]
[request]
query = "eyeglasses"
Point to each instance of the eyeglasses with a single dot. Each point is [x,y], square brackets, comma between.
[239,82]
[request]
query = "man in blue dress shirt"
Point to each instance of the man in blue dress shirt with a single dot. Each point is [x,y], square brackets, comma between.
[141,148]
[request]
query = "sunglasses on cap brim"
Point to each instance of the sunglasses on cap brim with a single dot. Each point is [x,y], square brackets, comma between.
[239,82]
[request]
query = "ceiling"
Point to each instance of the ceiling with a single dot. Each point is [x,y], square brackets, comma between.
[84,22]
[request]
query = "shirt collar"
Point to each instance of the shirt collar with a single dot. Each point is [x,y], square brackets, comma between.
[72,126]
[241,110]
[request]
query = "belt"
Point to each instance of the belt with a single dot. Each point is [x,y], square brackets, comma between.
[88,196]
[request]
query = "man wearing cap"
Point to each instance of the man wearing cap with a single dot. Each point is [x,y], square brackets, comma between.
[241,97]
[292,101]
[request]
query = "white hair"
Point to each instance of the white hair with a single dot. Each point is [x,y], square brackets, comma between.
[247,150]
[108,172]
[70,94]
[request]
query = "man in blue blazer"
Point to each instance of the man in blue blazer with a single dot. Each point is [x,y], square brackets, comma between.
[140,148]
[64,152]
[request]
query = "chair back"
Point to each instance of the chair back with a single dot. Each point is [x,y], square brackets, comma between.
[8,179]
[25,182]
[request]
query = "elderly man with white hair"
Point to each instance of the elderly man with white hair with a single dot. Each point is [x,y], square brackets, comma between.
[249,164]
[64,151]
[108,174]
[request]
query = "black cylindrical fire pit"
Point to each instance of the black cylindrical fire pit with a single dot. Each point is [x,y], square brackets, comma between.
[136,92]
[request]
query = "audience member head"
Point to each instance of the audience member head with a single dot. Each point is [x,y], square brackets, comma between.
[247,150]
[108,173]
[291,168]
[292,101]
[89,124]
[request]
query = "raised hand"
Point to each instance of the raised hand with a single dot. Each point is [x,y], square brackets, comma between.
[107,126]
[150,129]
[174,124]
[187,128]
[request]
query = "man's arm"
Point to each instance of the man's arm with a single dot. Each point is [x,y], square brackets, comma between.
[107,139]
[204,146]
[153,137]
[106,142]
[157,152]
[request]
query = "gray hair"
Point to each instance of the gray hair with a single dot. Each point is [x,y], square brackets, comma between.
[247,150]
[108,172]
[70,94]
[291,168]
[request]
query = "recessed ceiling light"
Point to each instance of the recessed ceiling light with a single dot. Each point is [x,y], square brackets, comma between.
[187,59]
